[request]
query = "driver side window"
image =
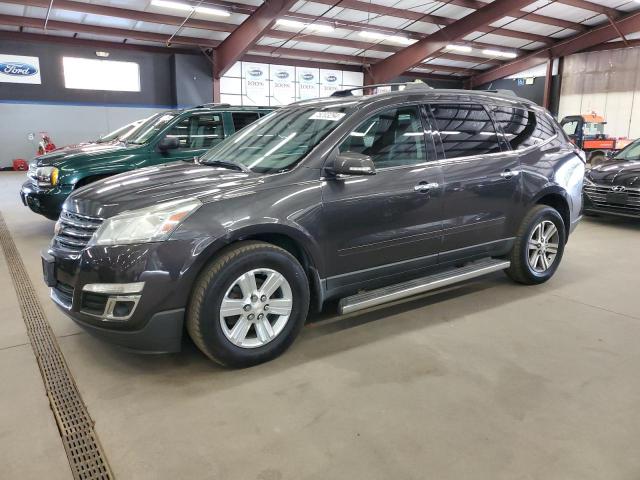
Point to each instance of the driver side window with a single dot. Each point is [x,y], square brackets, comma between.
[391,138]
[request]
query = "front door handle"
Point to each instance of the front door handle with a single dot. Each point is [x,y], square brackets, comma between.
[508,173]
[424,187]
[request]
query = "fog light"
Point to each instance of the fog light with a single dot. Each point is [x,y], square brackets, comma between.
[114,288]
[123,308]
[120,308]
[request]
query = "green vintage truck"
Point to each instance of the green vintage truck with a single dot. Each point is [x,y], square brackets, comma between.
[162,138]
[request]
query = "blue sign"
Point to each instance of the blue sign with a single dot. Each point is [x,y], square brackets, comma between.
[16,69]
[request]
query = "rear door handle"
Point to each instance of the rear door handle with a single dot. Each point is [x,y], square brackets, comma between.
[424,187]
[509,173]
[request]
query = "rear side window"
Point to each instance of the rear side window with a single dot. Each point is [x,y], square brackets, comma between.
[523,128]
[465,130]
[198,131]
[242,119]
[392,138]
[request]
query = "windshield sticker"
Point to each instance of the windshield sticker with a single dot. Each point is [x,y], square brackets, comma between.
[330,116]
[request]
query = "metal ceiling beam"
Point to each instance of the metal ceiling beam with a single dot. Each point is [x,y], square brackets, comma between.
[596,36]
[12,20]
[378,9]
[97,44]
[413,55]
[592,7]
[248,32]
[135,15]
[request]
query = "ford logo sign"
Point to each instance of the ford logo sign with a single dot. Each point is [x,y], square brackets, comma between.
[282,75]
[331,78]
[308,77]
[255,72]
[16,69]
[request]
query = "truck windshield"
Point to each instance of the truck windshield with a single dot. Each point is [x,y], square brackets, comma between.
[593,129]
[280,140]
[150,128]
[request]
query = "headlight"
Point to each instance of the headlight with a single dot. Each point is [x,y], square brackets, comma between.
[47,176]
[152,224]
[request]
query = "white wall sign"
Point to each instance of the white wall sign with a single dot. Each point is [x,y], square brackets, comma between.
[255,86]
[308,83]
[283,89]
[19,69]
[330,82]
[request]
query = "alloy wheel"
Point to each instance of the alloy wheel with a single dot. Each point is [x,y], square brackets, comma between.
[543,246]
[256,308]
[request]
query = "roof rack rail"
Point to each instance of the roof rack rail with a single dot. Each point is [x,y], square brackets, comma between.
[208,105]
[408,85]
[502,91]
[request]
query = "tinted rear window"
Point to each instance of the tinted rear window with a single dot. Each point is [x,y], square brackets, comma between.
[523,128]
[465,130]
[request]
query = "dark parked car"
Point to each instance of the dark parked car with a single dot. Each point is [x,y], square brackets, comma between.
[364,199]
[164,137]
[613,188]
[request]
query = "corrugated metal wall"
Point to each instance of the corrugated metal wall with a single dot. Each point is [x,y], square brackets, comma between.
[607,83]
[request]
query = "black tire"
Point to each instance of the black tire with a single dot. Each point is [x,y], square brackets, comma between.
[203,312]
[520,270]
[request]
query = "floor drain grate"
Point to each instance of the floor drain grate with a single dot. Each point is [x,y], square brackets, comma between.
[86,457]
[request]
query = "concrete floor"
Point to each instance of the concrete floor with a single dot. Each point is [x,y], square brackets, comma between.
[489,380]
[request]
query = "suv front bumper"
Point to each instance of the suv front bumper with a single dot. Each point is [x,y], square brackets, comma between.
[47,202]
[155,322]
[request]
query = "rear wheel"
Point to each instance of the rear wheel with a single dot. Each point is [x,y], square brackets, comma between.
[539,246]
[248,305]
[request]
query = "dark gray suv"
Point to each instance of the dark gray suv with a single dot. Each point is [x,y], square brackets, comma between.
[365,199]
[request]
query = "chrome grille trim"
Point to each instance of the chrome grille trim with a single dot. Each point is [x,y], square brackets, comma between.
[598,196]
[75,231]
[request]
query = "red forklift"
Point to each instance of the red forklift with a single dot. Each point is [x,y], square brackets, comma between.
[587,132]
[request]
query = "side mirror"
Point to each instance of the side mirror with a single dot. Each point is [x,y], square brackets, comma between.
[351,164]
[168,143]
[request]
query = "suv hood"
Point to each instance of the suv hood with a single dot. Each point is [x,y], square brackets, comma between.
[88,152]
[625,173]
[154,185]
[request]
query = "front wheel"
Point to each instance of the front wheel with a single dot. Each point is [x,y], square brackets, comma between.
[248,305]
[538,247]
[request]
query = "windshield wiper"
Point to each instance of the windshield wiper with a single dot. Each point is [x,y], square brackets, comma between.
[226,163]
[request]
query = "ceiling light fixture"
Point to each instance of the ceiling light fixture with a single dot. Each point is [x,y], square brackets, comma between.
[498,53]
[391,38]
[187,8]
[460,48]
[318,27]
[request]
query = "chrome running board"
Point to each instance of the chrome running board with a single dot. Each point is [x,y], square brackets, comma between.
[373,298]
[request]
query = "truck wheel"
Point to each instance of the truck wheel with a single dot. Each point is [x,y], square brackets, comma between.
[248,305]
[597,159]
[539,246]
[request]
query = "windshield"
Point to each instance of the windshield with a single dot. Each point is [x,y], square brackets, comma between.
[150,127]
[118,133]
[630,153]
[281,139]
[593,129]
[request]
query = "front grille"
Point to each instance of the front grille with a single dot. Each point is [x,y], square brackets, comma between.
[598,196]
[74,231]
